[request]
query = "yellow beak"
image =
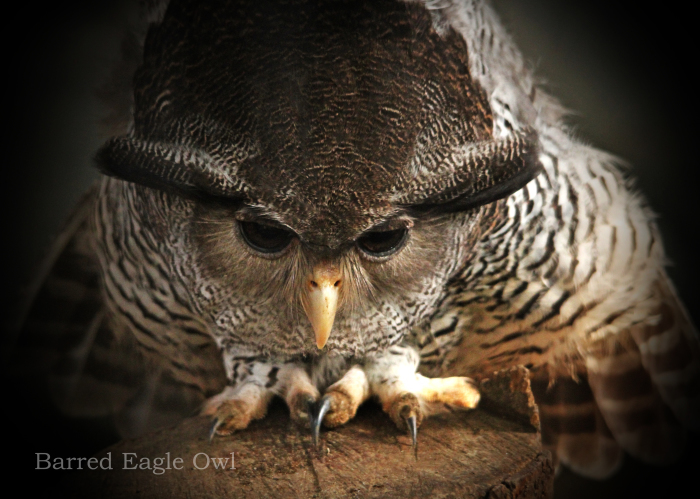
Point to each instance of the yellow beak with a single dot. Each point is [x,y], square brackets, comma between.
[322,289]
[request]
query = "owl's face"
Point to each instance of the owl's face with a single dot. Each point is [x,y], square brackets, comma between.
[353,298]
[322,167]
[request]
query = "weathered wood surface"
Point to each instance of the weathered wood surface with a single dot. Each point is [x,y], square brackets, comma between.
[493,451]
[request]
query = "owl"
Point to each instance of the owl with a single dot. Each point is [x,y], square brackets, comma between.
[334,200]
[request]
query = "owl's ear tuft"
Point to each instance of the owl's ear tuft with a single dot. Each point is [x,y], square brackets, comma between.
[168,167]
[475,174]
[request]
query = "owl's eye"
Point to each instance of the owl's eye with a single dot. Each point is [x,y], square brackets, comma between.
[265,238]
[382,243]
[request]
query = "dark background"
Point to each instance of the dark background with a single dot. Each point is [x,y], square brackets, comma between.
[627,74]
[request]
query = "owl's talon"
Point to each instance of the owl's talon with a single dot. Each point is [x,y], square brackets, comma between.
[231,416]
[412,424]
[316,415]
[411,417]
[215,426]
[311,414]
[402,408]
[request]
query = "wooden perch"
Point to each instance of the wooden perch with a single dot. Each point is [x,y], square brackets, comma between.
[493,451]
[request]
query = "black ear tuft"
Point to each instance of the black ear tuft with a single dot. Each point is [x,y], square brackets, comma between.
[484,172]
[143,163]
[166,167]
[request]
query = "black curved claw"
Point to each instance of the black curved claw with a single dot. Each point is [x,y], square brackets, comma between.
[411,422]
[215,426]
[316,414]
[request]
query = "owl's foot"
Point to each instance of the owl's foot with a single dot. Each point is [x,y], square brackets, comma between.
[340,402]
[295,386]
[302,398]
[237,405]
[409,397]
[406,396]
[409,400]
[404,410]
[234,408]
[345,396]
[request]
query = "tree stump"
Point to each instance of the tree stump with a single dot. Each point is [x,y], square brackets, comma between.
[493,451]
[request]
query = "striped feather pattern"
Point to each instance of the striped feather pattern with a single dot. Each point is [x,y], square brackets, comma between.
[569,280]
[669,351]
[573,428]
[88,352]
[630,403]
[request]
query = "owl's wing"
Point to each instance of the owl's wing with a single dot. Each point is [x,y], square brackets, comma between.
[637,391]
[670,353]
[572,425]
[69,337]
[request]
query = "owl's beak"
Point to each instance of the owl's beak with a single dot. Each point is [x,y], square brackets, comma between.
[322,290]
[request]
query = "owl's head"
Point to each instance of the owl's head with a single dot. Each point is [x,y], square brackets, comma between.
[324,165]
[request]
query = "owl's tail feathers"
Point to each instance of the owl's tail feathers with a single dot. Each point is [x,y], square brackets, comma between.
[573,428]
